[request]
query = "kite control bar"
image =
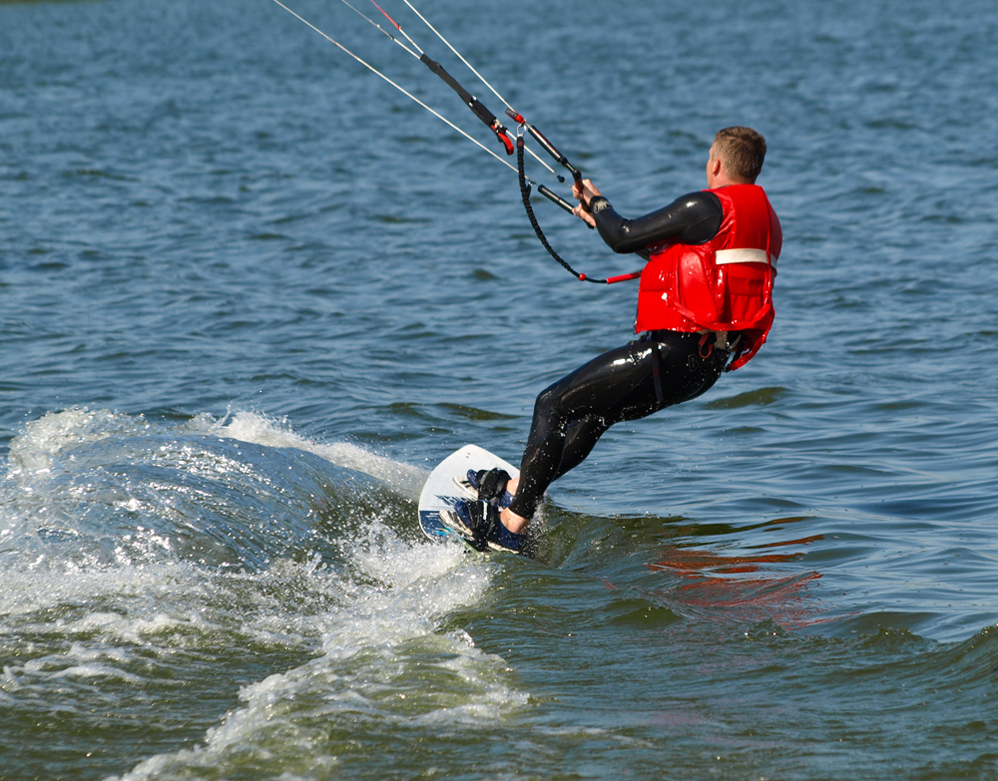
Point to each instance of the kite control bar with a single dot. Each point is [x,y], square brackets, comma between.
[550,148]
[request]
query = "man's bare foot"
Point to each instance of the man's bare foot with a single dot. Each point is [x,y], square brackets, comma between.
[512,521]
[515,523]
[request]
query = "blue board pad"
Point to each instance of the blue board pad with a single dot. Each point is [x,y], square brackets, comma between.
[442,491]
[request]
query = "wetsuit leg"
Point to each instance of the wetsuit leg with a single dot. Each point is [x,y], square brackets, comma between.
[572,414]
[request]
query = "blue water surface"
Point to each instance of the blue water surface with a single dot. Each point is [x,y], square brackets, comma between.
[250,294]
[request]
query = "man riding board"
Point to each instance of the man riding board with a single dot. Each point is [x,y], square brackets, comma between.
[704,307]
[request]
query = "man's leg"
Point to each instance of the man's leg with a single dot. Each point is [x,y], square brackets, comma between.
[625,383]
[572,414]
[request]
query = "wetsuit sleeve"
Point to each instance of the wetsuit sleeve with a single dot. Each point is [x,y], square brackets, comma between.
[691,219]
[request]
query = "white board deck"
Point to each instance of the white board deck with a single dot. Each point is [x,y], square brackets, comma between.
[442,492]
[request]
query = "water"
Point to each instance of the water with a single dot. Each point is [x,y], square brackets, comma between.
[251,294]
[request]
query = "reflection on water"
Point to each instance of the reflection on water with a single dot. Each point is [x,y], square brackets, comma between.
[726,583]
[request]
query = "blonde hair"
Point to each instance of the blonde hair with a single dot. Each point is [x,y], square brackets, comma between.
[742,150]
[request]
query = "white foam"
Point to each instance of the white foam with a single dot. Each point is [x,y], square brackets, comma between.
[385,665]
[39,445]
[36,450]
[261,430]
[374,628]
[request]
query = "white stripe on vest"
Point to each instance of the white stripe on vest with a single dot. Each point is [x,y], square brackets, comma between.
[742,256]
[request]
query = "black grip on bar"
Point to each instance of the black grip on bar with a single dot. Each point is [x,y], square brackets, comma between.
[555,198]
[553,151]
[558,200]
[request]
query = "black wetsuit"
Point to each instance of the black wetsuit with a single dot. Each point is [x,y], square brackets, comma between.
[659,369]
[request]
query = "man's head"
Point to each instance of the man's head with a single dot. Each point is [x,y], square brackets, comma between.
[736,157]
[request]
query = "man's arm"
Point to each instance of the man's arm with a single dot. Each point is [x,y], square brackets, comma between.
[690,219]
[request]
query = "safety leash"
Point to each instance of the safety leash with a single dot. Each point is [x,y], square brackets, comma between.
[525,195]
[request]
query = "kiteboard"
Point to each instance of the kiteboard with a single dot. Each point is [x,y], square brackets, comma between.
[448,486]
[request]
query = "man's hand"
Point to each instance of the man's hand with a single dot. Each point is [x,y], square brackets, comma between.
[585,195]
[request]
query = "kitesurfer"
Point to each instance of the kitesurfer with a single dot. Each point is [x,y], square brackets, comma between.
[704,307]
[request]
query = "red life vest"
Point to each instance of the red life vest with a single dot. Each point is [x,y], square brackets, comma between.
[725,284]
